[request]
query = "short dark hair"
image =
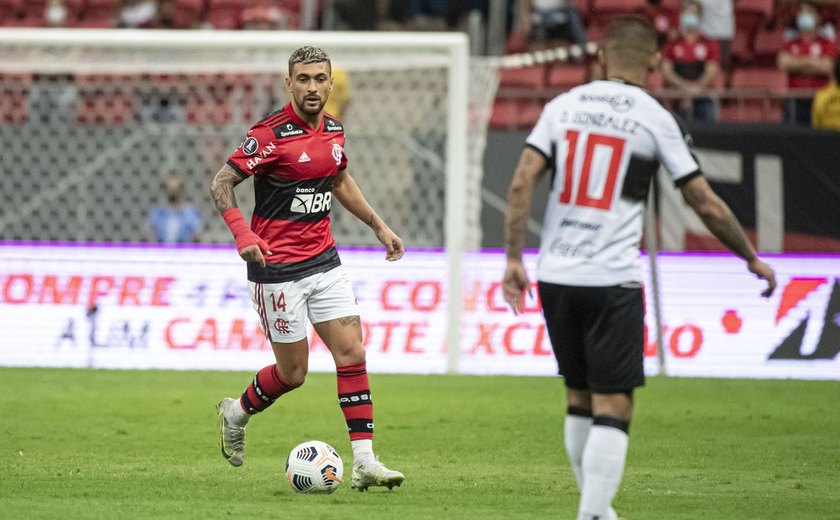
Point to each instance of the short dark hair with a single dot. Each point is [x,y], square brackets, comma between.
[630,40]
[308,54]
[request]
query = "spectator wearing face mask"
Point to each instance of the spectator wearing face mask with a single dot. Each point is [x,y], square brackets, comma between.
[808,60]
[691,63]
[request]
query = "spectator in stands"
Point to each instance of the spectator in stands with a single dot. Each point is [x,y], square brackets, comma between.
[549,23]
[174,222]
[826,109]
[691,64]
[824,28]
[718,23]
[138,14]
[808,62]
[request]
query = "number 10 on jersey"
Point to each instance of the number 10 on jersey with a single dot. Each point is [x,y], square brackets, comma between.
[584,174]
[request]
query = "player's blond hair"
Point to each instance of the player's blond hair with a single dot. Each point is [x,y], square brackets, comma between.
[630,41]
[308,54]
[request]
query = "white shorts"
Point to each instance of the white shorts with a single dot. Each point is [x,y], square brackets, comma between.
[284,307]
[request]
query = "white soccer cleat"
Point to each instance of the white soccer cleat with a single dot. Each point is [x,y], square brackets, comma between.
[374,474]
[231,438]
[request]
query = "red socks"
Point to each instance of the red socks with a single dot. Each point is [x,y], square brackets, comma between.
[355,401]
[266,387]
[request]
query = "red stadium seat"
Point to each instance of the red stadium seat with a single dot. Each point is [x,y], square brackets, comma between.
[566,76]
[761,89]
[602,11]
[187,14]
[105,109]
[99,14]
[770,79]
[750,14]
[741,49]
[505,114]
[9,9]
[225,14]
[14,103]
[532,77]
[766,46]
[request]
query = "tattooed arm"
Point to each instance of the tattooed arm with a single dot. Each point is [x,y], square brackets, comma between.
[719,219]
[250,246]
[528,172]
[222,188]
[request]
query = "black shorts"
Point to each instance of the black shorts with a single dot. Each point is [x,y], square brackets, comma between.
[597,334]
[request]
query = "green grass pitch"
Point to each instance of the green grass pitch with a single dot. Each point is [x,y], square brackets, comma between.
[81,444]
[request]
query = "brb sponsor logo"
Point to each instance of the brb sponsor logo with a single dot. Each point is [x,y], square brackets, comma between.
[308,201]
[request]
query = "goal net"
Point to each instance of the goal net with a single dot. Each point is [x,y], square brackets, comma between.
[95,121]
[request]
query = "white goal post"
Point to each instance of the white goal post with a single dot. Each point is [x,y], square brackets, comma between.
[109,110]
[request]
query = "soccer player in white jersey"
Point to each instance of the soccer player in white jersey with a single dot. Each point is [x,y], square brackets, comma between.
[604,141]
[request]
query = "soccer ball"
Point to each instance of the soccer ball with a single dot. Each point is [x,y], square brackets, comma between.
[314,467]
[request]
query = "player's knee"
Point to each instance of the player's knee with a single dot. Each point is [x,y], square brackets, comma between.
[295,378]
[350,355]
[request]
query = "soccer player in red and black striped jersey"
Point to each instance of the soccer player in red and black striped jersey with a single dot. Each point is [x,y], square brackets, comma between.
[296,157]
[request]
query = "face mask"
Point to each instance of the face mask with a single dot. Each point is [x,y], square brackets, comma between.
[806,21]
[689,21]
[55,15]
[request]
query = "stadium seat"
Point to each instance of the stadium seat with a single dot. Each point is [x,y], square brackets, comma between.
[750,14]
[105,109]
[32,14]
[14,105]
[565,77]
[187,14]
[761,89]
[766,46]
[9,9]
[225,14]
[741,49]
[505,113]
[99,14]
[602,11]
[531,76]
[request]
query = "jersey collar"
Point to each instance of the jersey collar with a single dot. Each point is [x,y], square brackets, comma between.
[300,122]
[623,82]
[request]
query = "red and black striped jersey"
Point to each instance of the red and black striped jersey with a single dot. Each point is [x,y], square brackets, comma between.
[293,167]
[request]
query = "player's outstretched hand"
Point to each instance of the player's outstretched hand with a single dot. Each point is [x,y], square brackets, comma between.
[254,253]
[392,243]
[514,285]
[765,272]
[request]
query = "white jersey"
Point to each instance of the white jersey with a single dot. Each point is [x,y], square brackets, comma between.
[604,140]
